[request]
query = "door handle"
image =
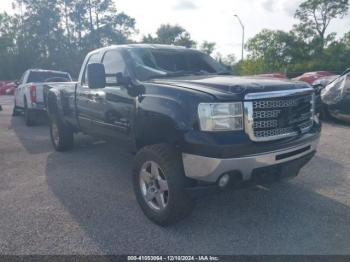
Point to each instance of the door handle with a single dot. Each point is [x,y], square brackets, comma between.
[95,97]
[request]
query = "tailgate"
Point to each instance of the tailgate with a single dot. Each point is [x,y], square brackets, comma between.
[39,93]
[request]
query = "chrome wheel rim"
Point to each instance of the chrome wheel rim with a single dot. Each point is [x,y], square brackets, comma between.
[54,133]
[154,186]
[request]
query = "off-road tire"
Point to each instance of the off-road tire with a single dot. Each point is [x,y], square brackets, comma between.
[180,204]
[16,111]
[29,116]
[63,140]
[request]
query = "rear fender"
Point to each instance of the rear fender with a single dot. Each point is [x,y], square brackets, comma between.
[52,103]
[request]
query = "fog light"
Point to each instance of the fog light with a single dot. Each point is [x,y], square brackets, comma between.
[223,181]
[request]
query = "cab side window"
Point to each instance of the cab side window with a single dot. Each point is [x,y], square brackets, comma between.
[95,58]
[114,63]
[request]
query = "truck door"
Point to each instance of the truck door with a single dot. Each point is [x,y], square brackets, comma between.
[115,108]
[85,102]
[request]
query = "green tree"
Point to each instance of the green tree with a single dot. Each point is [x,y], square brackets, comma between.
[274,49]
[170,35]
[109,26]
[9,27]
[42,30]
[346,40]
[251,67]
[79,25]
[336,56]
[316,15]
[207,47]
[229,61]
[57,34]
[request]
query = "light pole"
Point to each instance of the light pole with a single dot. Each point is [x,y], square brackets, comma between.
[239,20]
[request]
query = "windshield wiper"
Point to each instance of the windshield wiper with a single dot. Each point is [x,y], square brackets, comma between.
[224,73]
[175,74]
[188,73]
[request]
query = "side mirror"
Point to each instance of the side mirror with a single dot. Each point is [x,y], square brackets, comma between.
[96,75]
[17,83]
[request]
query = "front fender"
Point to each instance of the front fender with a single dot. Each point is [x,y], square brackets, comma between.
[160,120]
[165,114]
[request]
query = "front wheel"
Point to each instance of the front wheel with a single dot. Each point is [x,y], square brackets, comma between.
[62,136]
[160,185]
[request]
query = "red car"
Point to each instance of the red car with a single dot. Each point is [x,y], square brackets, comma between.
[310,77]
[7,88]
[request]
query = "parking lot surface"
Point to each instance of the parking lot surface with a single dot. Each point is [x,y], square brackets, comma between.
[82,202]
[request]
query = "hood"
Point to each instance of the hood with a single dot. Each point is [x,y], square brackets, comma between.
[231,87]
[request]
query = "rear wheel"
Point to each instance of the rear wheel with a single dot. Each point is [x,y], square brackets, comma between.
[28,115]
[160,185]
[62,136]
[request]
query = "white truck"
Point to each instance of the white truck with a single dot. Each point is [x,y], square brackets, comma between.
[30,92]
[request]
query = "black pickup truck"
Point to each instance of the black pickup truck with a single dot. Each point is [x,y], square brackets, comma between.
[188,121]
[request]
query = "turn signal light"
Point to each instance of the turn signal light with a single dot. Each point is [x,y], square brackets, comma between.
[33,94]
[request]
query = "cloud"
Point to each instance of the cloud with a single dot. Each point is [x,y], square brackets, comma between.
[185,5]
[269,5]
[291,6]
[287,6]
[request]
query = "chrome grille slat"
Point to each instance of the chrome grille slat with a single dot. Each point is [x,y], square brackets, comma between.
[273,132]
[266,114]
[265,124]
[280,116]
[273,103]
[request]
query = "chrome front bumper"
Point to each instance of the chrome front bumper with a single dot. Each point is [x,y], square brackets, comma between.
[210,169]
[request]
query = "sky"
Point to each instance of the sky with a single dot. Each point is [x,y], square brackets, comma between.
[213,20]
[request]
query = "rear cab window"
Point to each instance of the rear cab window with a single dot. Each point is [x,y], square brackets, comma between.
[47,76]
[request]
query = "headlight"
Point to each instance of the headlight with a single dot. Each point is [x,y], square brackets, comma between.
[220,116]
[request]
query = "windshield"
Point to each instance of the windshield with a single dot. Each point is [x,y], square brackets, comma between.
[46,76]
[154,63]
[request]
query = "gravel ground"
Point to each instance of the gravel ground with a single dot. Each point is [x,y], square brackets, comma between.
[82,202]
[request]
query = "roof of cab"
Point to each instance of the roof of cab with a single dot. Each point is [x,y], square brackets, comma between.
[146,46]
[46,71]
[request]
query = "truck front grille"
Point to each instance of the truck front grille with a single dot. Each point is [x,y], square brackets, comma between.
[275,115]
